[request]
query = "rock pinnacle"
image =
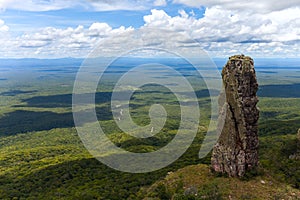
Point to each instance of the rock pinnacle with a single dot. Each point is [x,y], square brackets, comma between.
[236,151]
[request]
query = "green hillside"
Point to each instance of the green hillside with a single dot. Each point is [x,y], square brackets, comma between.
[42,157]
[197,182]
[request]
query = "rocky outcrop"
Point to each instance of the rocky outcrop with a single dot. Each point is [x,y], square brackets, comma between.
[237,148]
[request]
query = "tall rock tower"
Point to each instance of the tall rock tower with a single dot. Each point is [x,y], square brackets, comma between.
[237,148]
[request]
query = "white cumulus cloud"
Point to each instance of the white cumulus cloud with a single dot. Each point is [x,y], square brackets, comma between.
[57,42]
[160,3]
[98,5]
[3,27]
[37,5]
[256,6]
[221,31]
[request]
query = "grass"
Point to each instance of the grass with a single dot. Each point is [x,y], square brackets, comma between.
[197,182]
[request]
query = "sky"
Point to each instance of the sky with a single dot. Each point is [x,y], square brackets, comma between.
[73,28]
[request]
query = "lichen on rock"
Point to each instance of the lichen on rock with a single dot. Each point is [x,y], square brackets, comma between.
[237,148]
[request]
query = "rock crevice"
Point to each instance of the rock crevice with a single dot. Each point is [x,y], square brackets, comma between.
[237,148]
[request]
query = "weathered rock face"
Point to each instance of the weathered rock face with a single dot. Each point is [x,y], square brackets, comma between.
[237,148]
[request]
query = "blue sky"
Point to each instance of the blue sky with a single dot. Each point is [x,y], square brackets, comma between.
[72,17]
[57,28]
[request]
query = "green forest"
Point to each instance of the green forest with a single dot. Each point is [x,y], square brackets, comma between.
[42,156]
